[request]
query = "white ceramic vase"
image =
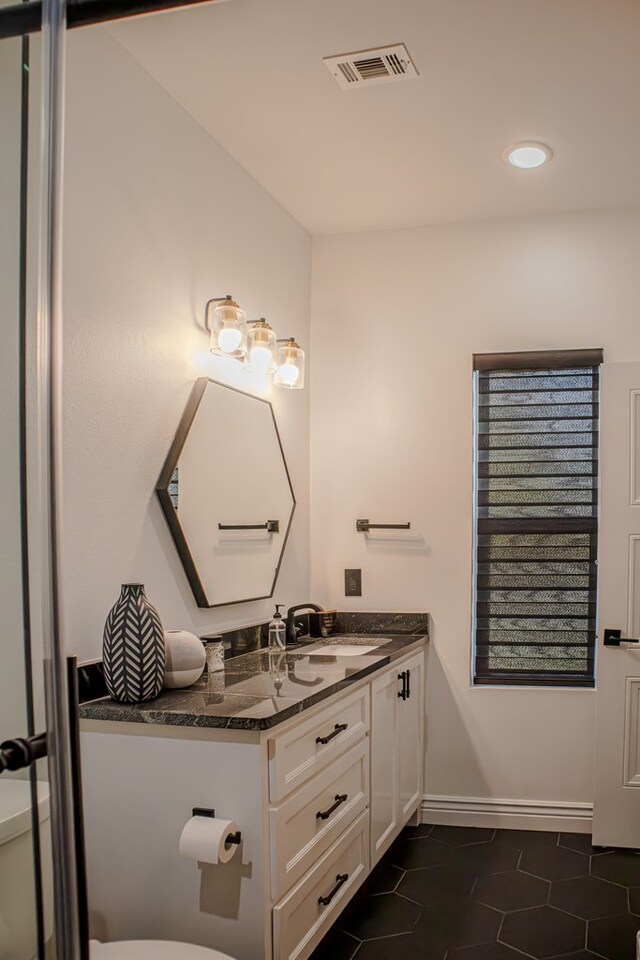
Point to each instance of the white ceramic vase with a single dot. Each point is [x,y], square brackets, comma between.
[185,659]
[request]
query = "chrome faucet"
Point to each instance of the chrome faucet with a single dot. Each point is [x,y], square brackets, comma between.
[293,631]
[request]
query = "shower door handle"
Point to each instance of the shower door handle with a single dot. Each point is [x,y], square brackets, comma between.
[22,752]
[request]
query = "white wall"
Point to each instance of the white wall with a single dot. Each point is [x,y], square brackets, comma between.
[396,316]
[157,219]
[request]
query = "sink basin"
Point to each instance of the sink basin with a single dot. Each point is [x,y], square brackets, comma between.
[339,650]
[343,648]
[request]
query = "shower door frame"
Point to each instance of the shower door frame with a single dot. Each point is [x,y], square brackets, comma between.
[43,517]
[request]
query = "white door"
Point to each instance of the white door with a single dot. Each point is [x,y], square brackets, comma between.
[411,733]
[384,763]
[616,820]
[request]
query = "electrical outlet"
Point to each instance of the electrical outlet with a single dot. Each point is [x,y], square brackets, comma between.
[353,583]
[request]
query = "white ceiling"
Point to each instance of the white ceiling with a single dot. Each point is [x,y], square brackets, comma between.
[566,72]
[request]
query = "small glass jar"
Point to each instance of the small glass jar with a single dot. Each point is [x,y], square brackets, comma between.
[214,648]
[215,687]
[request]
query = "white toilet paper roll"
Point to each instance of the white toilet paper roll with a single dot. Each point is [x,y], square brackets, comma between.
[205,839]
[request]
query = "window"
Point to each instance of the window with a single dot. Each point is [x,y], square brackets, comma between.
[536,517]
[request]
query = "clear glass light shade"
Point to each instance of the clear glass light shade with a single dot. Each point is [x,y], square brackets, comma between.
[261,349]
[290,366]
[228,329]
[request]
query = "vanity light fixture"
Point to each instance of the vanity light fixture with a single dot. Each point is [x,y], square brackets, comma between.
[290,365]
[255,343]
[228,328]
[528,154]
[261,348]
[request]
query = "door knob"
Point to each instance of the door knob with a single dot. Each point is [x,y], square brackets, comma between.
[613,638]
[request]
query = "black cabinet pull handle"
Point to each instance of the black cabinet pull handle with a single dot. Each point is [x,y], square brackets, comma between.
[403,693]
[340,879]
[408,683]
[339,727]
[325,814]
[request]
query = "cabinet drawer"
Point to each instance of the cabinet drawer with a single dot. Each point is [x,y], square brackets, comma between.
[299,835]
[301,919]
[310,746]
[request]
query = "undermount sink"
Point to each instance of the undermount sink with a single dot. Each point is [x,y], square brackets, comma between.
[342,647]
[345,650]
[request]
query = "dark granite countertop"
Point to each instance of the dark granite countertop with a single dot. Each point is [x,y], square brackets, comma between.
[259,690]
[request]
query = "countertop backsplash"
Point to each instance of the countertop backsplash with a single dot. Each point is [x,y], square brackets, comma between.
[91,684]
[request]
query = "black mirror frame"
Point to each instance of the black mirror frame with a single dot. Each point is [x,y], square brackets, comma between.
[162,490]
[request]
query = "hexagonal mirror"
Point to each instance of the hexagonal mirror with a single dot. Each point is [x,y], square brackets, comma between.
[227,496]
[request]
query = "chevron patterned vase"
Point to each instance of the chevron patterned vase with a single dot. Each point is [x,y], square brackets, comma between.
[133,650]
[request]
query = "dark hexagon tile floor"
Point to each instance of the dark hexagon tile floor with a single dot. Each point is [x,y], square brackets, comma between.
[614,937]
[391,914]
[464,893]
[581,843]
[524,839]
[480,859]
[339,945]
[511,890]
[589,897]
[461,836]
[619,866]
[581,955]
[554,863]
[543,932]
[422,830]
[475,925]
[441,888]
[411,854]
[385,878]
[485,951]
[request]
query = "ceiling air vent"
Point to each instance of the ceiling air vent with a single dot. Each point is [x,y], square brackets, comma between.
[366,67]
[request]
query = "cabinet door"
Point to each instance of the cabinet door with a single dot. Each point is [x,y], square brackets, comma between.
[411,722]
[384,762]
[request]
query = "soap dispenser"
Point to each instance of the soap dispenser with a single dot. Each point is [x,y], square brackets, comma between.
[277,635]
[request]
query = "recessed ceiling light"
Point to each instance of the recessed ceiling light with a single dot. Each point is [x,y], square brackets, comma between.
[528,154]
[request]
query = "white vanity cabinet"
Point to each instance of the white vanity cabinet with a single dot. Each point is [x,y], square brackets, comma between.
[397,750]
[318,798]
[410,715]
[332,760]
[385,819]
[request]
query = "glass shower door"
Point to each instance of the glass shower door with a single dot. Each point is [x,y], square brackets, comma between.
[24,802]
[26,915]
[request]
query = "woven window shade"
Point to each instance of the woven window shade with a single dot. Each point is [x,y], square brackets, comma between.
[536,518]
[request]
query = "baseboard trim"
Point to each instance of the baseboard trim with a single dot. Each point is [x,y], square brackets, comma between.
[507,814]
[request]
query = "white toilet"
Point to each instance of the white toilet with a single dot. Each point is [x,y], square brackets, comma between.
[17,898]
[152,950]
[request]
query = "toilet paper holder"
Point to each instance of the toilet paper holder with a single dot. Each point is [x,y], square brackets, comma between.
[208,812]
